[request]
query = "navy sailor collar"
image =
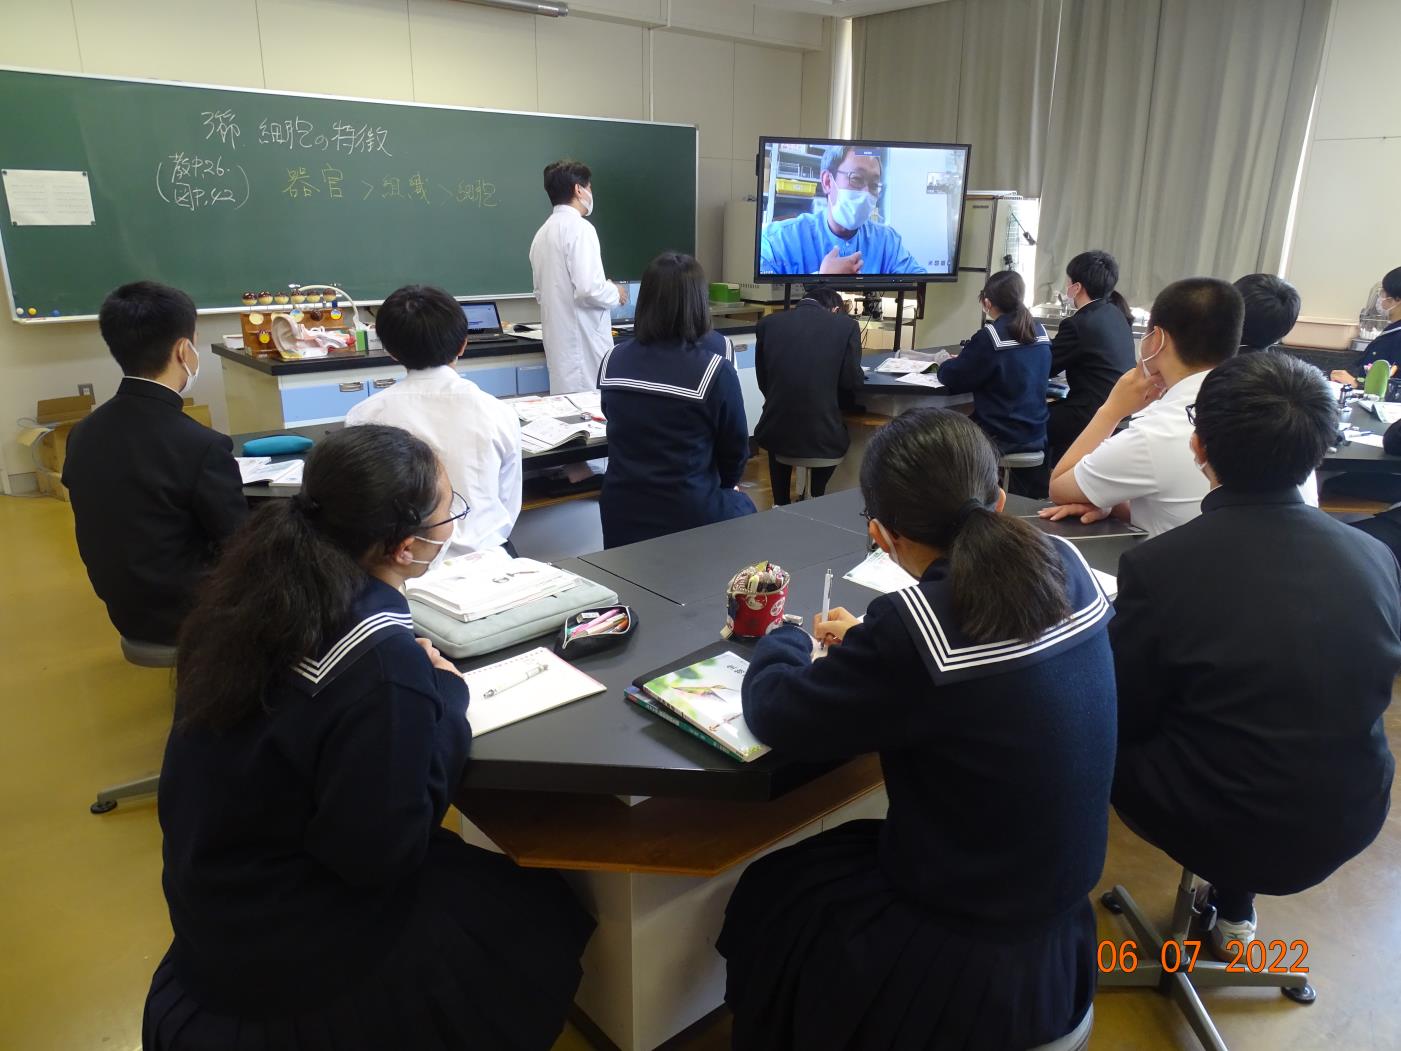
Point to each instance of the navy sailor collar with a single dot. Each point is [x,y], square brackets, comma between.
[670,370]
[378,612]
[949,656]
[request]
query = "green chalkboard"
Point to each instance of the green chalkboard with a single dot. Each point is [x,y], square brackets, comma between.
[221,190]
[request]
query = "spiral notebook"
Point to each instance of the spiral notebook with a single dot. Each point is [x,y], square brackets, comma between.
[517,688]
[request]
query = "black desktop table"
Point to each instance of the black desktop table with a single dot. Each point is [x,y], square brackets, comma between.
[1357,458]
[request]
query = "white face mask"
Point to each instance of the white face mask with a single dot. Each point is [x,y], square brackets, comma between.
[588,204]
[1143,362]
[434,562]
[852,208]
[190,377]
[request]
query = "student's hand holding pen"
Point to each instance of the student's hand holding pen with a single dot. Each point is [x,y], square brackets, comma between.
[831,627]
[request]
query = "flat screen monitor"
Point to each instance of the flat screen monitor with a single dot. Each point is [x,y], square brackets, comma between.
[859,211]
[624,313]
[482,318]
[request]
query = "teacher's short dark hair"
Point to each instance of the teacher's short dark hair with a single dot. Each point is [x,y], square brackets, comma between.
[673,301]
[1271,309]
[421,327]
[562,176]
[1265,420]
[1203,315]
[141,323]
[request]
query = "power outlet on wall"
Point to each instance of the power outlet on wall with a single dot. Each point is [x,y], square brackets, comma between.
[85,388]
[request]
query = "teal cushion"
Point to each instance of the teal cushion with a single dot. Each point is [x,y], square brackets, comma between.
[277,445]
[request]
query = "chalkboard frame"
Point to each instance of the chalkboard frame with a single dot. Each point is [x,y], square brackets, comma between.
[407,103]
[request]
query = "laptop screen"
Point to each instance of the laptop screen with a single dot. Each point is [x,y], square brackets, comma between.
[482,318]
[628,310]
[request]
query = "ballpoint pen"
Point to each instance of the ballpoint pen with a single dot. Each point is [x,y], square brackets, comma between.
[530,674]
[826,598]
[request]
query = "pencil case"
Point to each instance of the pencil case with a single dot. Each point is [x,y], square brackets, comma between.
[573,642]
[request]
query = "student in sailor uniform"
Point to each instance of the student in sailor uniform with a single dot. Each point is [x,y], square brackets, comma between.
[677,435]
[316,900]
[962,920]
[1005,367]
[1387,346]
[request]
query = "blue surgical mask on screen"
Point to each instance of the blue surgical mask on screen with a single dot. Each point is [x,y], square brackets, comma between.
[852,208]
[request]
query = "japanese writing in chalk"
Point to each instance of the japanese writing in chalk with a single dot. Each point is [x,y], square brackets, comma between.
[298,133]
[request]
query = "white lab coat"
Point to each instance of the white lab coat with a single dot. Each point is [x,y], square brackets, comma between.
[575,298]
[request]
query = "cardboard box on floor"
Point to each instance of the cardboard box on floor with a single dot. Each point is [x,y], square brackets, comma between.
[48,439]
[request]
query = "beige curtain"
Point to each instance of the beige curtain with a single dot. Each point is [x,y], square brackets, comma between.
[1175,135]
[976,71]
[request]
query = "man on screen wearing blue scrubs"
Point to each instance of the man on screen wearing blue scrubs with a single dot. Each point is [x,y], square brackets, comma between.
[841,239]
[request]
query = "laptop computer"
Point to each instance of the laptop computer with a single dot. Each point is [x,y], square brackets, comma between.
[625,313]
[484,324]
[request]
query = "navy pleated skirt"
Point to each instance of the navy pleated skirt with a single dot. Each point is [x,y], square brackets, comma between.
[824,955]
[489,958]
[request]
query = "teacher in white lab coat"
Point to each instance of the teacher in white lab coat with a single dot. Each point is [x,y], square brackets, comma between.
[575,296]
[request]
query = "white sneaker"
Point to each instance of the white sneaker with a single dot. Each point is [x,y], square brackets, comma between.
[1224,931]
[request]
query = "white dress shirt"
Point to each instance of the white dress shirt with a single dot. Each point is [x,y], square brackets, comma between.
[477,437]
[1150,464]
[575,297]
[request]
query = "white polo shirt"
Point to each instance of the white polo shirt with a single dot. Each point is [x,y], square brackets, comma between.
[476,436]
[1150,464]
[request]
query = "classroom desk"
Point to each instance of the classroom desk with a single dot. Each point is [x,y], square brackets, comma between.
[657,871]
[1357,458]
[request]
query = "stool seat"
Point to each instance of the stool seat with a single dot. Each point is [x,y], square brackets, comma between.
[808,461]
[1077,1039]
[1018,461]
[148,654]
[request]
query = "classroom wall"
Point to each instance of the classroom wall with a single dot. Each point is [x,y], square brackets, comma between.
[1347,230]
[732,68]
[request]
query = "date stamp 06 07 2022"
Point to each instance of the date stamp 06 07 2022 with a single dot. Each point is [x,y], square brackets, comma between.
[1274,957]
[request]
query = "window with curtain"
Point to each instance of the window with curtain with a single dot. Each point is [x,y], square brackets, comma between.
[1165,131]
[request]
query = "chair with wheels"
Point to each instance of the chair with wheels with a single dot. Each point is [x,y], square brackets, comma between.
[1174,972]
[143,655]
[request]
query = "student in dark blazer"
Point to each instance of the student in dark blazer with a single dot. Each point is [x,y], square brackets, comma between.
[154,492]
[1387,346]
[1093,347]
[962,920]
[1271,310]
[1256,756]
[678,439]
[808,364]
[316,900]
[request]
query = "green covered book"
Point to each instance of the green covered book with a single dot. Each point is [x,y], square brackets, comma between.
[706,696]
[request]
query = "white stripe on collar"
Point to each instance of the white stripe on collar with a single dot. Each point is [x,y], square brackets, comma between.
[960,658]
[1001,344]
[649,387]
[316,671]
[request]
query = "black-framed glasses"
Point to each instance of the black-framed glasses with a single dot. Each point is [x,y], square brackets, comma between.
[1192,414]
[457,508]
[867,515]
[858,180]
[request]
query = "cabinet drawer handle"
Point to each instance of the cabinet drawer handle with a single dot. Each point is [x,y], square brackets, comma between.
[386,381]
[351,388]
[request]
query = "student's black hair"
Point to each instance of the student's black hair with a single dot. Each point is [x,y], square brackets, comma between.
[1271,308]
[1203,315]
[921,476]
[141,322]
[673,300]
[421,327]
[1391,283]
[1265,420]
[825,296]
[288,578]
[1097,272]
[1007,291]
[562,176]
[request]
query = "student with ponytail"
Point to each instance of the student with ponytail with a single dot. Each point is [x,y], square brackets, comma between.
[316,900]
[962,920]
[1005,367]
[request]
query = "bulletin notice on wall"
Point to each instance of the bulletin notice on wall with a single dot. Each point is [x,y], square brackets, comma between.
[48,198]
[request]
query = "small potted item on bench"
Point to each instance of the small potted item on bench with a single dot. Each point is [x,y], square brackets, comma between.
[593,630]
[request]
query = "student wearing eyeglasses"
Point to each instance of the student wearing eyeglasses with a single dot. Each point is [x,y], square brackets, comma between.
[843,238]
